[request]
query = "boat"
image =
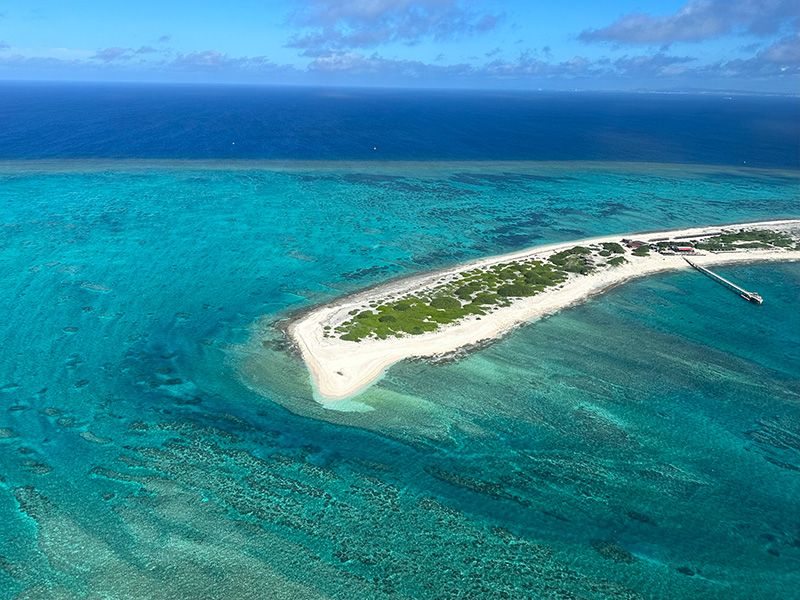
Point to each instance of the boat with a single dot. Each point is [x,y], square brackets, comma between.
[752,297]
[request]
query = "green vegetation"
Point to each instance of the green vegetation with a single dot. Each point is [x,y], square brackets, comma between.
[482,290]
[754,238]
[613,247]
[616,261]
[473,292]
[446,303]
[574,260]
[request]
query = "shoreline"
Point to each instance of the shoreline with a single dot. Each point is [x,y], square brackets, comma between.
[341,369]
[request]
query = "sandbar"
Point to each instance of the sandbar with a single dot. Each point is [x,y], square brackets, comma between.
[341,369]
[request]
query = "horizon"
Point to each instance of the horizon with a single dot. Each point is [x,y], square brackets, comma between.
[401,88]
[674,46]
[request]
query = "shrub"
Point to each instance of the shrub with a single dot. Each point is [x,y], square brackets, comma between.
[485,298]
[465,291]
[616,261]
[613,247]
[445,303]
[512,290]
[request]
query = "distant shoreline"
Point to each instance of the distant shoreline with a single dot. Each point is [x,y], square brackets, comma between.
[340,369]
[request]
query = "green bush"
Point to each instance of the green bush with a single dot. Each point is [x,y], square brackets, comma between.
[616,261]
[560,257]
[613,247]
[727,241]
[465,291]
[513,290]
[485,298]
[445,303]
[573,260]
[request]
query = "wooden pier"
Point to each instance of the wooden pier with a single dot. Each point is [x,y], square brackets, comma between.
[753,297]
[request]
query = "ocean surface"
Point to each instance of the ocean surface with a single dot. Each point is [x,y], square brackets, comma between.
[241,122]
[159,438]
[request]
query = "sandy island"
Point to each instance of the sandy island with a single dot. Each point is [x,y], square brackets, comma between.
[340,369]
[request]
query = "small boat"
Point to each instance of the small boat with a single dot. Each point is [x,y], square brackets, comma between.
[753,297]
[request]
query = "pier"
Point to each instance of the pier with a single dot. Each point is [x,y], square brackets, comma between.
[753,297]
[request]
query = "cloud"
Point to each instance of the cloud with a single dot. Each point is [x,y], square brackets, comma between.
[21,61]
[115,53]
[773,66]
[528,66]
[205,60]
[3,45]
[117,61]
[354,63]
[699,20]
[211,60]
[350,24]
[164,39]
[524,67]
[780,59]
[652,65]
[118,54]
[659,69]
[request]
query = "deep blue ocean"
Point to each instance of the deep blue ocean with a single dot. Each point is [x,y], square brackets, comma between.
[239,122]
[159,438]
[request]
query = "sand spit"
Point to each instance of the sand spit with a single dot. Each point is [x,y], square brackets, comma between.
[341,369]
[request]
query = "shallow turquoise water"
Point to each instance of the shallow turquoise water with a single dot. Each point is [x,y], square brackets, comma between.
[157,438]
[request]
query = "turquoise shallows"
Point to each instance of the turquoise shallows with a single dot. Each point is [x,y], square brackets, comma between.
[158,439]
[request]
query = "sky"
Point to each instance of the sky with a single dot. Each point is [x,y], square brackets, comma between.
[662,45]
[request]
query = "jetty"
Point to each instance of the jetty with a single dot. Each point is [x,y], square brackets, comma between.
[753,297]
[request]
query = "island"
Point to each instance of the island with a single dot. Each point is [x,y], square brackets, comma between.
[348,344]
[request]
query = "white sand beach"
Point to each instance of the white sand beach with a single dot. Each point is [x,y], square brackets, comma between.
[341,369]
